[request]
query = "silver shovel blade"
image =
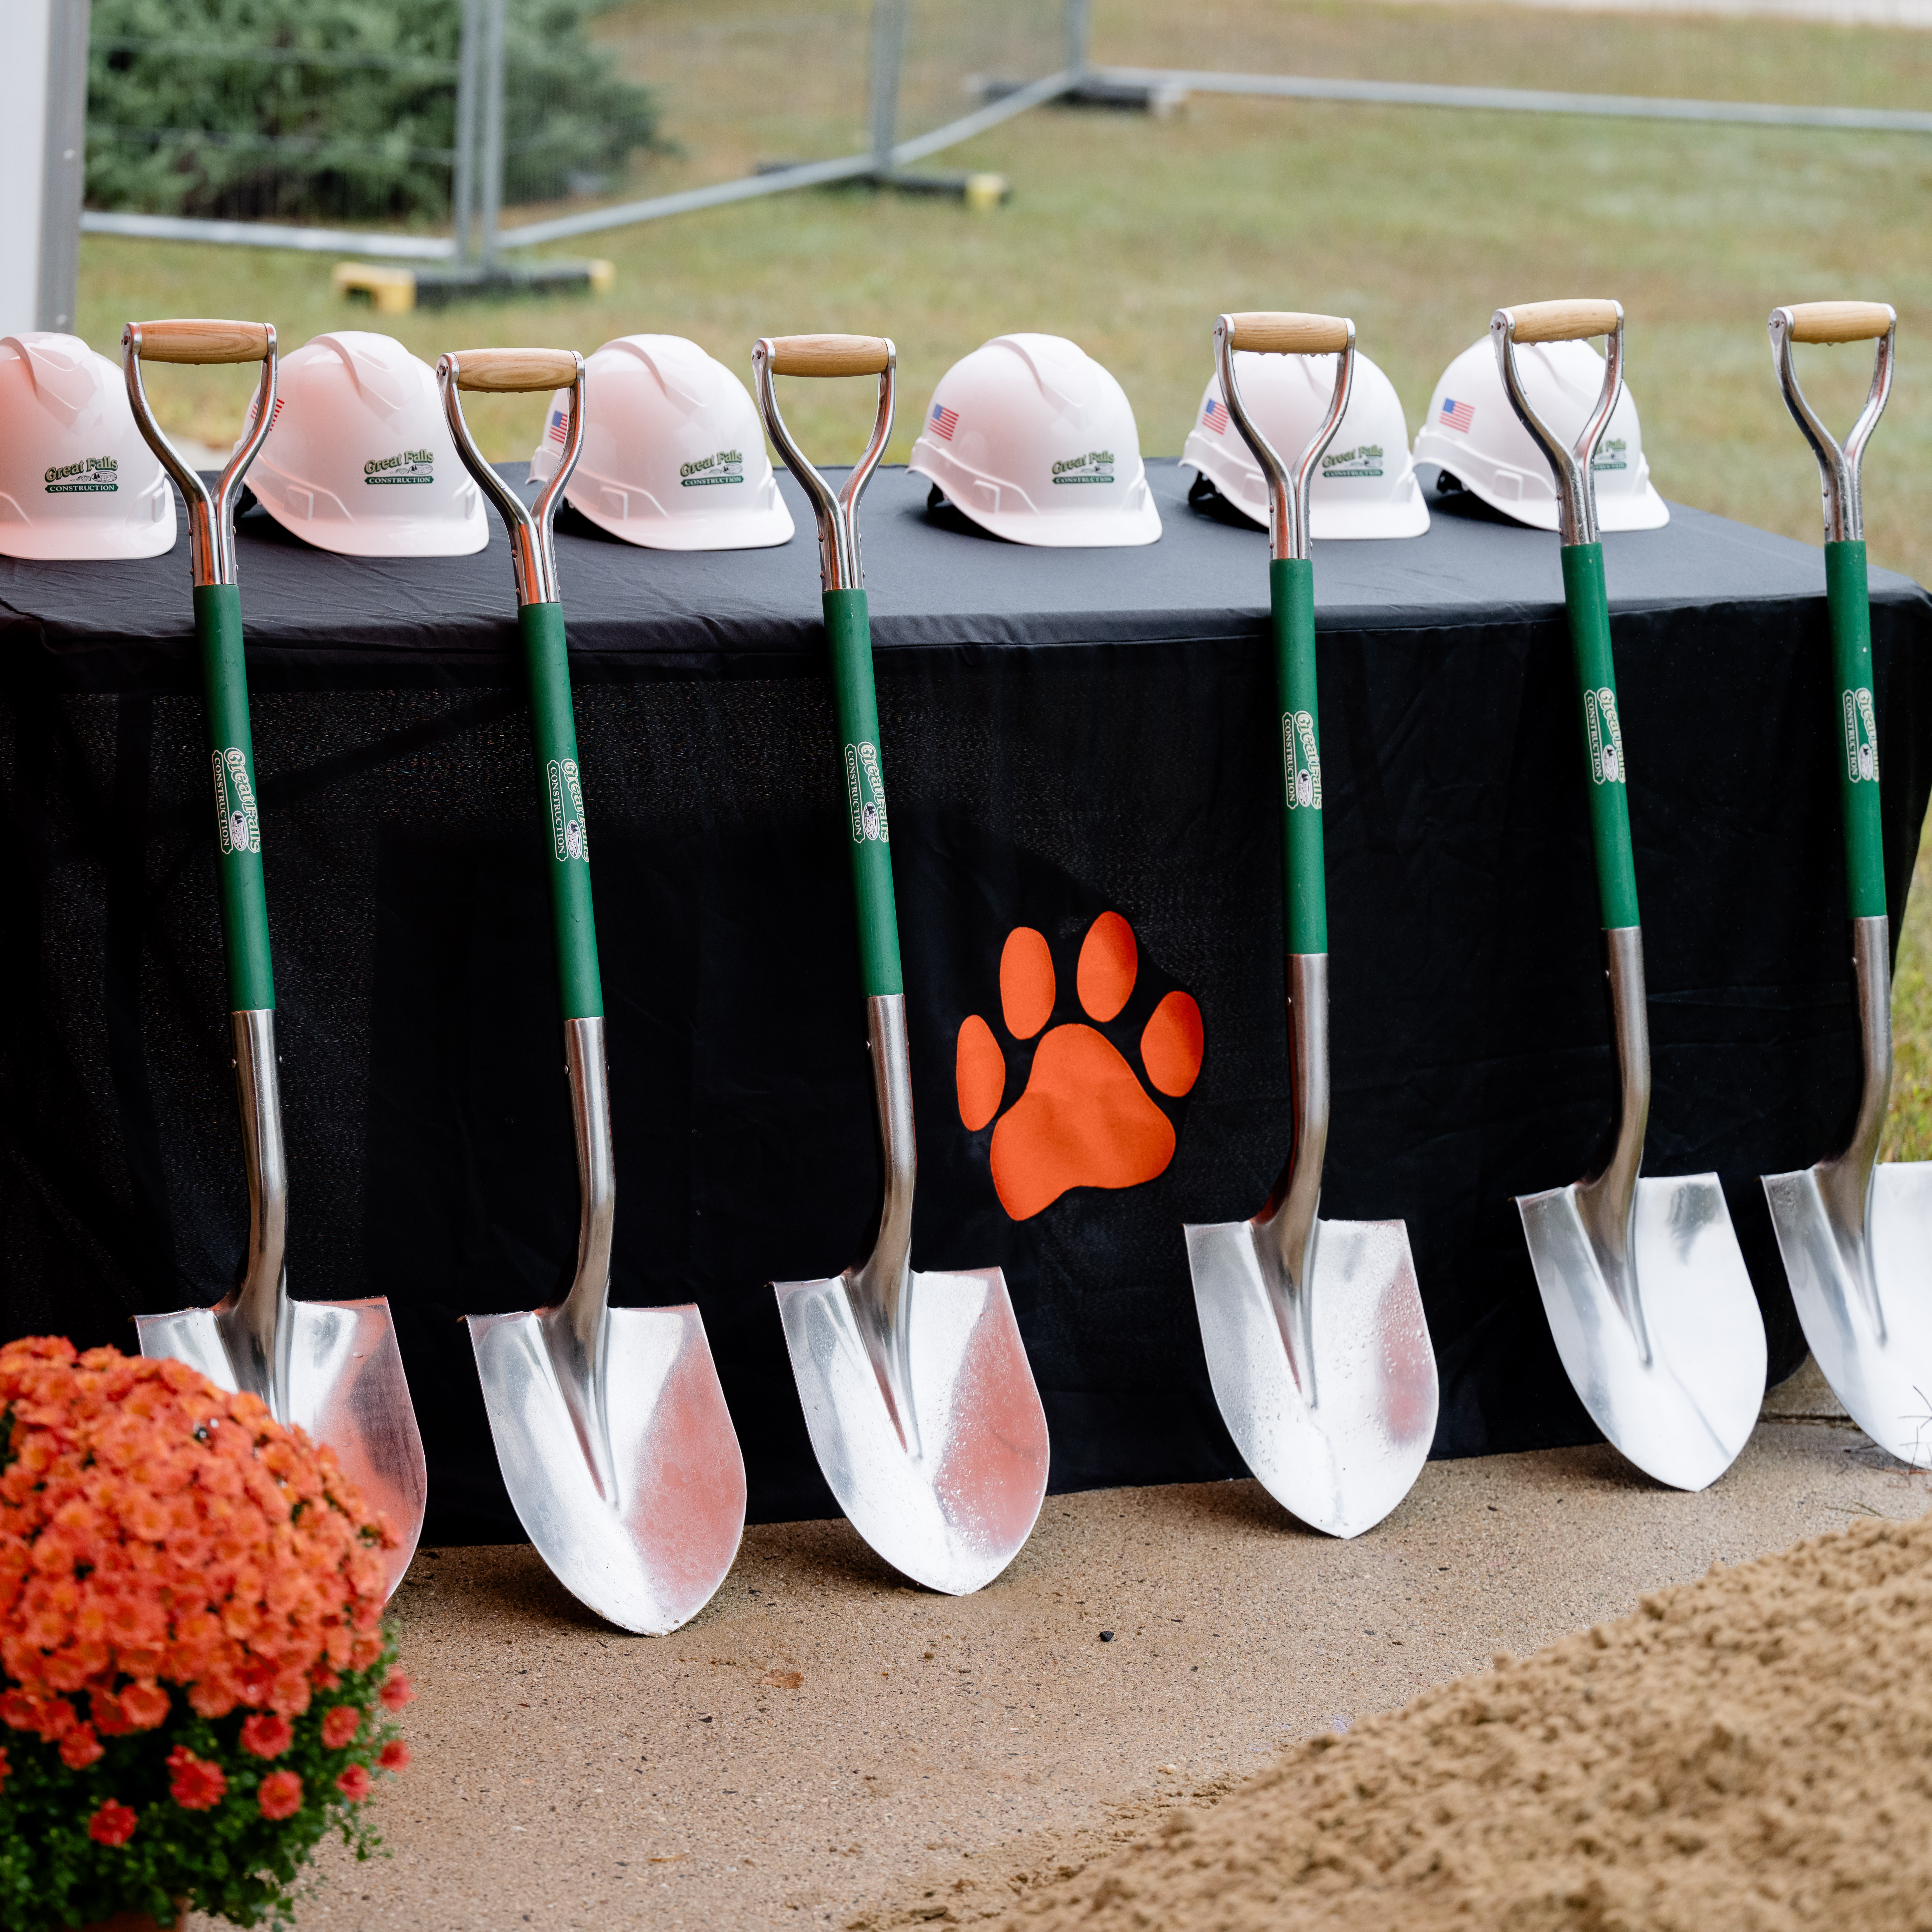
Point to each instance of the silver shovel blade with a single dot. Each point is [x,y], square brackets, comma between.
[953,1515]
[1342,1461]
[1681,1412]
[1873,1338]
[652,1557]
[346,1388]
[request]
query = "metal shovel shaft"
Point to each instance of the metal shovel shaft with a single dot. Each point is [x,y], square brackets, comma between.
[1846,1181]
[1284,1231]
[1606,1201]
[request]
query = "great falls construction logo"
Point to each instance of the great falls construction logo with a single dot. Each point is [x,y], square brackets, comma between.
[1365,461]
[866,792]
[1301,761]
[724,465]
[237,826]
[1613,454]
[1861,737]
[1084,1116]
[91,476]
[407,466]
[1606,736]
[569,838]
[1095,467]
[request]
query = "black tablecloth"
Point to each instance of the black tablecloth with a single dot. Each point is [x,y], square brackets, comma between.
[1066,733]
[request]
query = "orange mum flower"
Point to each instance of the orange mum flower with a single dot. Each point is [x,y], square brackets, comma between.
[339,1725]
[80,1747]
[395,1756]
[281,1795]
[397,1692]
[267,1736]
[145,1706]
[195,1784]
[354,1783]
[156,1531]
[113,1824]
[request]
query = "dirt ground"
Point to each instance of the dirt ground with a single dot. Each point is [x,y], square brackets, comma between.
[1748,1751]
[894,1757]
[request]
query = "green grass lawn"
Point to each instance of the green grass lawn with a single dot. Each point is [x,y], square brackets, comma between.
[1130,234]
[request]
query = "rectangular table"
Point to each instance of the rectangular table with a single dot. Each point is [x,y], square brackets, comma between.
[1065,733]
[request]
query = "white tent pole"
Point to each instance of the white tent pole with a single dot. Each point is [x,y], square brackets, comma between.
[64,177]
[888,29]
[23,142]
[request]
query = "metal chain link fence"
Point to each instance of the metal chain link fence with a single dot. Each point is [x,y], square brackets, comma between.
[454,127]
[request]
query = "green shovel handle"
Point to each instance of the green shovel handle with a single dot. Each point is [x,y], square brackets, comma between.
[1847,599]
[848,634]
[1304,882]
[1588,604]
[238,823]
[567,840]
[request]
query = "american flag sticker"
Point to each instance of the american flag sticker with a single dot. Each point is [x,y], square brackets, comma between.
[1215,416]
[1457,415]
[943,422]
[558,420]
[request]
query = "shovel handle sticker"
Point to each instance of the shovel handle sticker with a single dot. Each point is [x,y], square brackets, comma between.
[1607,736]
[866,792]
[1860,738]
[237,827]
[1300,760]
[569,837]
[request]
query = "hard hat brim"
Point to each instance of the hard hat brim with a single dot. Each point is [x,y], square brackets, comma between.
[1646,510]
[1330,522]
[1101,529]
[76,542]
[410,538]
[1343,523]
[1649,512]
[1111,529]
[737,530]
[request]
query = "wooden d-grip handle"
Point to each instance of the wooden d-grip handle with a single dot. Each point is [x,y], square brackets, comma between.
[1568,321]
[1283,332]
[510,371]
[1839,321]
[830,355]
[201,341]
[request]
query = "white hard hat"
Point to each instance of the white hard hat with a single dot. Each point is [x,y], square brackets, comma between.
[1364,485]
[1472,432]
[77,479]
[674,457]
[358,458]
[1030,438]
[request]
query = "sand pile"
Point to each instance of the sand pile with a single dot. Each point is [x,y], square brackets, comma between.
[1752,1751]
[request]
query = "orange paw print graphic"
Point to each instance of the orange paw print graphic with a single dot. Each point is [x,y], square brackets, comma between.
[1084,1119]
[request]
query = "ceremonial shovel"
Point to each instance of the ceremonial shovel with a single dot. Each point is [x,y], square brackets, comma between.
[330,1368]
[916,1388]
[1315,1339]
[610,1427]
[1856,1234]
[1642,1279]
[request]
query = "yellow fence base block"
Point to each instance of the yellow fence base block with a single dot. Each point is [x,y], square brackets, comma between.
[391,291]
